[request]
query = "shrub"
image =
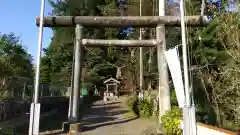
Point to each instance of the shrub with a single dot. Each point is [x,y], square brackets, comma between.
[171,121]
[173,97]
[132,103]
[6,131]
[145,108]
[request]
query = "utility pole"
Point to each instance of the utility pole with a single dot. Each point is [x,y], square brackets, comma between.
[141,53]
[163,86]
[150,49]
[35,106]
[188,110]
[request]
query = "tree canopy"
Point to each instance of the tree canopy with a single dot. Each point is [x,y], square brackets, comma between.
[16,62]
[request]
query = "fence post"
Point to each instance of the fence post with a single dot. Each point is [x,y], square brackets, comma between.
[24,88]
[41,90]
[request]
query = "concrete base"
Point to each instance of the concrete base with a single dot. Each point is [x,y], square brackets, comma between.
[65,126]
[71,128]
[74,129]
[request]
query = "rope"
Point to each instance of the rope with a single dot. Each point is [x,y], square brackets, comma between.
[111,64]
[118,75]
[122,6]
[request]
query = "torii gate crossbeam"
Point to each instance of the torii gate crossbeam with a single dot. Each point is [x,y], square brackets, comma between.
[120,21]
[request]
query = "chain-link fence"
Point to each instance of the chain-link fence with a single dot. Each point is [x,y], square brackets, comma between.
[21,87]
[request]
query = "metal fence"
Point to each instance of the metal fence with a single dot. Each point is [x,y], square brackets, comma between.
[21,87]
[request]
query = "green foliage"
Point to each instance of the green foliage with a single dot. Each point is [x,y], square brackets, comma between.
[16,64]
[171,121]
[142,108]
[215,51]
[145,108]
[6,131]
[57,63]
[173,99]
[14,57]
[193,7]
[132,103]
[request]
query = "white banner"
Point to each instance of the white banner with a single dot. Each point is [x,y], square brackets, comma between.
[175,69]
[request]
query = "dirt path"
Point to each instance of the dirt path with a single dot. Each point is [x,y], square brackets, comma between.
[110,119]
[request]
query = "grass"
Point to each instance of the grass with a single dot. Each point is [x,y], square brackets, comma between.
[6,130]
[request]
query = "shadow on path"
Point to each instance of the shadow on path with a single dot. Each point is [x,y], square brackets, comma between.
[110,103]
[104,114]
[87,128]
[107,118]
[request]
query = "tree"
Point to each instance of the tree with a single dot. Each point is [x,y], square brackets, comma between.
[60,50]
[214,63]
[15,61]
[215,60]
[57,62]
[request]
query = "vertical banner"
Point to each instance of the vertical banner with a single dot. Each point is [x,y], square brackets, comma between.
[175,69]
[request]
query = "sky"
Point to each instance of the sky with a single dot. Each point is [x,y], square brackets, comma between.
[18,16]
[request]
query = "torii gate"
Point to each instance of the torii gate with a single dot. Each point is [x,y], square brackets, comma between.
[112,22]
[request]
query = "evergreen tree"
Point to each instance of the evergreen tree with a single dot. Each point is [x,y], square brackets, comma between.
[16,64]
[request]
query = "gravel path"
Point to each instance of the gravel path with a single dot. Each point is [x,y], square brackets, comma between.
[110,119]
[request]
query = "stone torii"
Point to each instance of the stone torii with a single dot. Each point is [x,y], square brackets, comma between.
[115,22]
